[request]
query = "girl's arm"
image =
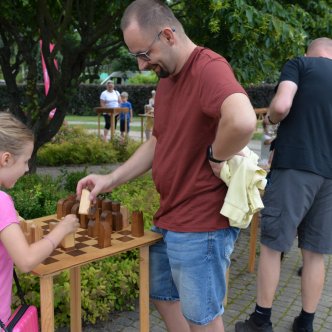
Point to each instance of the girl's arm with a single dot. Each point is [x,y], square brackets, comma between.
[26,256]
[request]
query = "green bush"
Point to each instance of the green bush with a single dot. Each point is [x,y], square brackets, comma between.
[36,196]
[139,194]
[146,78]
[76,146]
[106,285]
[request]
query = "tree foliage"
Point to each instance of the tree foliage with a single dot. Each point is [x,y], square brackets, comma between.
[83,33]
[256,36]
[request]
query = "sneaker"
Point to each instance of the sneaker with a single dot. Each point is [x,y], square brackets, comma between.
[250,326]
[296,327]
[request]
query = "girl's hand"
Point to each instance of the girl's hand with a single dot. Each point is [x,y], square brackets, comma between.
[70,223]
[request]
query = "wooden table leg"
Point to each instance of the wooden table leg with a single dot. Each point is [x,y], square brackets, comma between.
[142,129]
[98,125]
[75,300]
[144,304]
[47,304]
[252,244]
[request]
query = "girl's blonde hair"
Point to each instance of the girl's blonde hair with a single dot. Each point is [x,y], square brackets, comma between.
[13,134]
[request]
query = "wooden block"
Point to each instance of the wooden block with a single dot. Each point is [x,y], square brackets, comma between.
[68,243]
[71,198]
[59,209]
[125,216]
[107,216]
[84,219]
[116,206]
[26,229]
[137,224]
[99,202]
[104,239]
[85,202]
[75,208]
[24,226]
[52,225]
[106,205]
[91,226]
[117,221]
[67,206]
[36,233]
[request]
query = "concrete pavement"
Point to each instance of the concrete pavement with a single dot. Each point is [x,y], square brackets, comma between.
[241,297]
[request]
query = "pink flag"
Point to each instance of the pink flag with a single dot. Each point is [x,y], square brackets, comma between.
[45,74]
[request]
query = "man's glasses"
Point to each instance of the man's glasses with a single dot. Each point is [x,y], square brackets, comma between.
[145,55]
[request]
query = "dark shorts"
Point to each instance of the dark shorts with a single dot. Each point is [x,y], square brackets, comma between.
[297,203]
[107,118]
[123,124]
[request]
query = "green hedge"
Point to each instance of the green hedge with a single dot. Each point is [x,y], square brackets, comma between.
[87,96]
[107,285]
[76,146]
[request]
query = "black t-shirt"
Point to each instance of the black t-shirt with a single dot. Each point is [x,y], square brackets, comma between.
[304,138]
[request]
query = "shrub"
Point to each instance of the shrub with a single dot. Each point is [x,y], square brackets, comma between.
[36,196]
[76,146]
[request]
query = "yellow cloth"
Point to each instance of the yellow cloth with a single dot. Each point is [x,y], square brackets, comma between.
[244,179]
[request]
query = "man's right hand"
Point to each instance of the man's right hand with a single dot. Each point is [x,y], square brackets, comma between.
[96,184]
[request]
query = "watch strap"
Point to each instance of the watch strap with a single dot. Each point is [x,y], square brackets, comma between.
[210,156]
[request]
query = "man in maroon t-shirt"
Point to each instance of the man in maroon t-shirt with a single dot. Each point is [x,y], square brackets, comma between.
[202,117]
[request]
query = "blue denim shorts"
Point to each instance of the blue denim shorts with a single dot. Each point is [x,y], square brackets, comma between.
[191,267]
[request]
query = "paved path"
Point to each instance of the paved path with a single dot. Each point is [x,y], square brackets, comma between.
[241,298]
[242,288]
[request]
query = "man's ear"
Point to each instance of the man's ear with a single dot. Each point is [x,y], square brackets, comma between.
[5,158]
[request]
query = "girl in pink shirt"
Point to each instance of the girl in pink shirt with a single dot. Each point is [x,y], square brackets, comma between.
[16,146]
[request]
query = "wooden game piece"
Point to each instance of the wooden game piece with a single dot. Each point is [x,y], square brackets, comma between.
[85,202]
[125,216]
[97,221]
[68,242]
[52,225]
[99,202]
[59,209]
[107,216]
[104,238]
[93,224]
[36,233]
[117,217]
[26,228]
[117,224]
[116,206]
[67,206]
[84,219]
[137,224]
[71,198]
[106,205]
[75,208]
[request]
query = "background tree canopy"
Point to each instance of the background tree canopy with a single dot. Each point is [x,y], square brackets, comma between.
[257,37]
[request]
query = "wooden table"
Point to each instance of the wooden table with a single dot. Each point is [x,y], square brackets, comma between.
[260,113]
[112,112]
[74,263]
[142,116]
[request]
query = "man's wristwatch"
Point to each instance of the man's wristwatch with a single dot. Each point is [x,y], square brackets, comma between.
[210,156]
